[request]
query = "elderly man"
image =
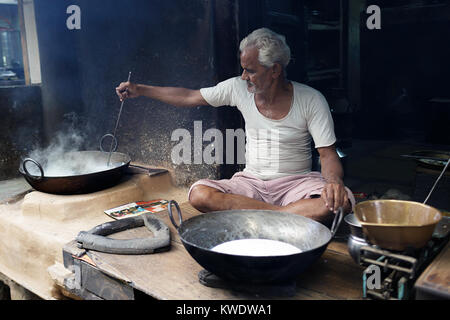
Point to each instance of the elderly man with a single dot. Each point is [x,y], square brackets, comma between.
[280,116]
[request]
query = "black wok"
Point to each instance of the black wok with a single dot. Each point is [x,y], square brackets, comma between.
[78,183]
[201,233]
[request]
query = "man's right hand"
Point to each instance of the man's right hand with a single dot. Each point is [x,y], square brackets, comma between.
[127,90]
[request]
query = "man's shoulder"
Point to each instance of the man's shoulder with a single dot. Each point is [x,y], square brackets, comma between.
[233,81]
[237,82]
[229,92]
[237,86]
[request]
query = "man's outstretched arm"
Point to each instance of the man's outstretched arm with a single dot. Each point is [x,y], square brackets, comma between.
[179,97]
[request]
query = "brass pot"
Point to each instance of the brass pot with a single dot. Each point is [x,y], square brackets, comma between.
[397,224]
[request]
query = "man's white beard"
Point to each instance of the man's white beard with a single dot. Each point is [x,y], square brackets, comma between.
[251,87]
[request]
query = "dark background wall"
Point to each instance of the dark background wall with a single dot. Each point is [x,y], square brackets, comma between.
[402,69]
[165,43]
[182,43]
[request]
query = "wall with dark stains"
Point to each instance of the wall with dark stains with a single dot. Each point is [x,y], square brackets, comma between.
[21,126]
[164,43]
[59,64]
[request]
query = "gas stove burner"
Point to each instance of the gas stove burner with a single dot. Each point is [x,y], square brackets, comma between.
[209,279]
[398,270]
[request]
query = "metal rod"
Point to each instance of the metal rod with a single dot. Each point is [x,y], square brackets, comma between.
[117,124]
[386,253]
[436,182]
[388,265]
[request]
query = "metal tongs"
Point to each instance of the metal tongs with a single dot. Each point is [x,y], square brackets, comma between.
[113,145]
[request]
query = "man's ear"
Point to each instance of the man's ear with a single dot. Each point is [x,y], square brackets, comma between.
[277,70]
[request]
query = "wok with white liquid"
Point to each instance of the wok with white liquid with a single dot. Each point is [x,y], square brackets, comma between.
[202,233]
[75,172]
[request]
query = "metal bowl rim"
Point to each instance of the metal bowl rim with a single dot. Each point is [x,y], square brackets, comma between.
[255,257]
[374,224]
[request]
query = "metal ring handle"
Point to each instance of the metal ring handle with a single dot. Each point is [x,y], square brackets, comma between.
[24,167]
[337,221]
[114,140]
[169,208]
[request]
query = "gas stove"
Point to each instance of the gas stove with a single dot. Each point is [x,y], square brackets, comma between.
[391,275]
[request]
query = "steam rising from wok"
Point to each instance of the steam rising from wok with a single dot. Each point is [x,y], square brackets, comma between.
[61,159]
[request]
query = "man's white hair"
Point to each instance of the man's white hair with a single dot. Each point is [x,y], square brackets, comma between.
[272,47]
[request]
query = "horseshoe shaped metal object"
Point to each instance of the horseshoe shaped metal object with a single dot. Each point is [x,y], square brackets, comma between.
[95,239]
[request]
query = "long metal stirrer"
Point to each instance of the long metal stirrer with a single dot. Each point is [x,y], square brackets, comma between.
[437,180]
[117,124]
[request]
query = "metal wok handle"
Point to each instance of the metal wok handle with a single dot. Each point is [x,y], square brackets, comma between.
[24,167]
[337,221]
[169,208]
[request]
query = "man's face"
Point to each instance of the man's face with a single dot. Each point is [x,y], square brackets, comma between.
[258,77]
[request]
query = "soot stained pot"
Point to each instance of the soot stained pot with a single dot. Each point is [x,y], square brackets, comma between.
[203,232]
[78,183]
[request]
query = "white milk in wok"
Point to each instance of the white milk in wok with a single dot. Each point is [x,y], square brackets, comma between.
[256,247]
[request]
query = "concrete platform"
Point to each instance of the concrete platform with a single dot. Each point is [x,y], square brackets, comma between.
[34,229]
[13,187]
